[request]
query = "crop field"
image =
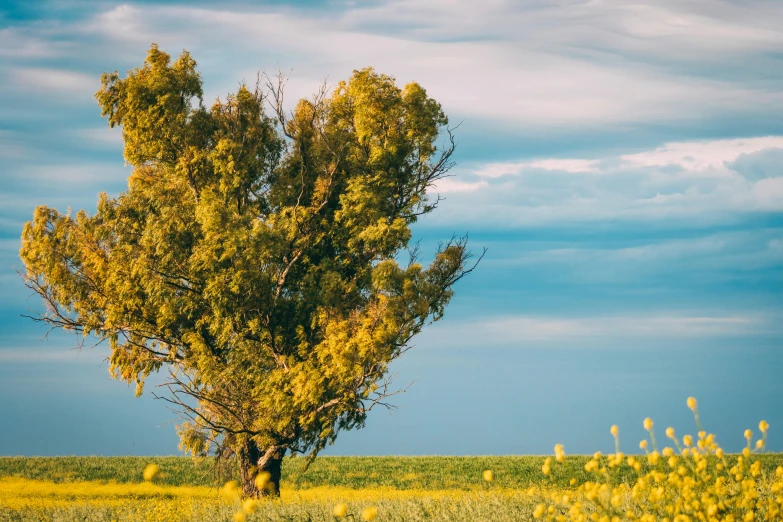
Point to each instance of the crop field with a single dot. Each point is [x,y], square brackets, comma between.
[389,488]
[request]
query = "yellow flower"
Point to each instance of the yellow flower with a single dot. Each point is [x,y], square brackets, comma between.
[250,506]
[748,434]
[653,458]
[239,517]
[746,452]
[262,479]
[719,453]
[231,489]
[559,453]
[668,452]
[151,471]
[759,444]
[340,510]
[488,476]
[692,403]
[614,430]
[643,444]
[670,432]
[648,423]
[687,440]
[370,513]
[545,469]
[763,426]
[539,511]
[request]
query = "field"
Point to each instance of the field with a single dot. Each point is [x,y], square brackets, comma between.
[399,488]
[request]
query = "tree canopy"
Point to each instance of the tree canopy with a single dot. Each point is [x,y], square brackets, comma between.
[257,257]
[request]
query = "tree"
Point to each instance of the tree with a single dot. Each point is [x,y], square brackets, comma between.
[255,257]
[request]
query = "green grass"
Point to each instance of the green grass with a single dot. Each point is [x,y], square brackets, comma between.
[355,472]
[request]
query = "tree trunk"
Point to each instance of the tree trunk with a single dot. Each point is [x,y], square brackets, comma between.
[253,464]
[248,461]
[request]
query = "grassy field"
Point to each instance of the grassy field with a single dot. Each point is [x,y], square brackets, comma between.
[400,488]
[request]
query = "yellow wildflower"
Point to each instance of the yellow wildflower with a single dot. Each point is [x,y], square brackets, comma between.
[648,423]
[239,517]
[763,426]
[748,434]
[614,430]
[262,479]
[231,489]
[559,453]
[151,472]
[670,432]
[488,476]
[692,403]
[340,510]
[250,506]
[369,513]
[539,511]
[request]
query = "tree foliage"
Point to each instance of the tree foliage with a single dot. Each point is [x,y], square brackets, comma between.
[255,257]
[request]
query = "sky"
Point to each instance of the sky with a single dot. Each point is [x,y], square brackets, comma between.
[621,161]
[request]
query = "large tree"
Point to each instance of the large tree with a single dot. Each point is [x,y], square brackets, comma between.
[254,256]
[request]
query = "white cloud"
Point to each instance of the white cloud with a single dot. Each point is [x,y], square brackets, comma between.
[54,81]
[19,43]
[102,136]
[93,174]
[700,181]
[452,185]
[688,28]
[495,170]
[37,355]
[696,156]
[538,65]
[769,194]
[521,330]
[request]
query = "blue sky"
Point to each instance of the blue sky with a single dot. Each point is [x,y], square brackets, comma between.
[623,163]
